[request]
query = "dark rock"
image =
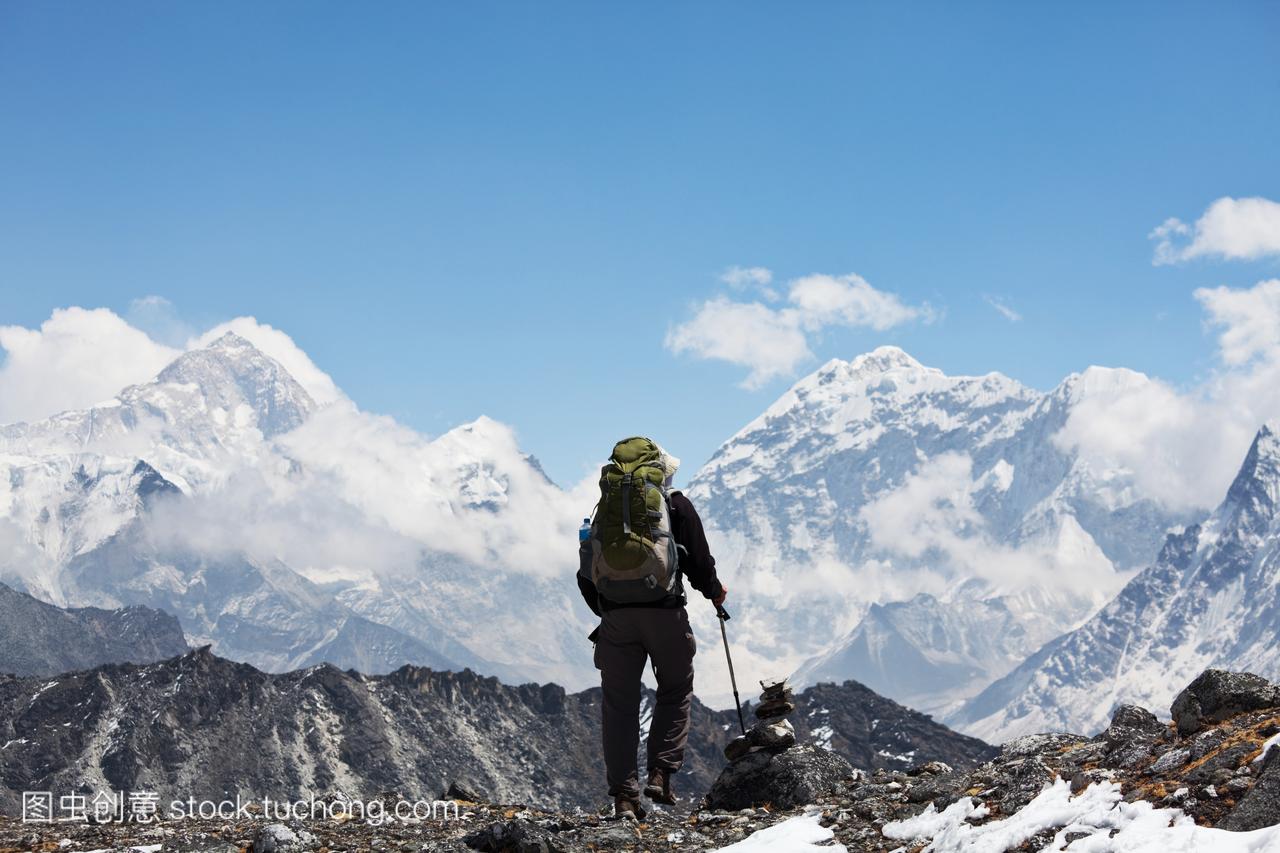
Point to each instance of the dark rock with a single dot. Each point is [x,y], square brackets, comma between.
[1261,806]
[774,708]
[737,747]
[1206,742]
[1131,723]
[771,690]
[1169,762]
[1220,767]
[1077,757]
[934,786]
[1039,744]
[513,836]
[461,790]
[1130,756]
[798,776]
[1022,783]
[773,736]
[1217,694]
[1084,778]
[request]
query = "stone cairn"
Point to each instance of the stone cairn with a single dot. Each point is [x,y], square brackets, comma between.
[772,731]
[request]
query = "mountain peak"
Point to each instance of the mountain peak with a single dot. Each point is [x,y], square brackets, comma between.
[231,371]
[880,360]
[1256,487]
[230,341]
[886,357]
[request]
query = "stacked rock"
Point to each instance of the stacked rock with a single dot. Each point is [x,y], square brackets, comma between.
[772,732]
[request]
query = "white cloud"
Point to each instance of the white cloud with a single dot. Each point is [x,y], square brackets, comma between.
[932,517]
[848,300]
[747,276]
[769,343]
[1250,320]
[1231,229]
[159,319]
[1002,308]
[774,341]
[1184,446]
[76,358]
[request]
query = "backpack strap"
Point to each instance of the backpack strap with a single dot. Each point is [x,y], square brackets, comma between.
[626,504]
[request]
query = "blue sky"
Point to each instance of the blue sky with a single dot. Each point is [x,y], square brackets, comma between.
[459,209]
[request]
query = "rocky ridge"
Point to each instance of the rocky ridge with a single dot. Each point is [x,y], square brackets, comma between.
[199,725]
[1213,771]
[39,639]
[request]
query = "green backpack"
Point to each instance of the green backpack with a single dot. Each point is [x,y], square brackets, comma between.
[630,554]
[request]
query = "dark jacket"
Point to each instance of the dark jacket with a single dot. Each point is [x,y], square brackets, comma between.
[696,563]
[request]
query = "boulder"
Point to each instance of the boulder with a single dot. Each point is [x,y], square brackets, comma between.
[1261,806]
[1020,782]
[737,747]
[513,836]
[787,779]
[460,789]
[1039,744]
[930,768]
[773,736]
[278,838]
[1217,695]
[1131,723]
[774,708]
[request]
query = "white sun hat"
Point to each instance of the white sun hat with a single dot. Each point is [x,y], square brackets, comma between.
[670,464]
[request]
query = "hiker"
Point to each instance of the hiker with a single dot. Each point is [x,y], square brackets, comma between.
[643,539]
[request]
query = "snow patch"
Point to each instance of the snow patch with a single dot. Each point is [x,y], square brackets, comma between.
[1274,740]
[795,835]
[1106,822]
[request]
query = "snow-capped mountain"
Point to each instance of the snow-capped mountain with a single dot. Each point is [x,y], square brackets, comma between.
[1212,598]
[952,501]
[287,533]
[79,477]
[882,520]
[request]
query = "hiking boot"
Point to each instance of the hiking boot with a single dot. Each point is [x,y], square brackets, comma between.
[624,806]
[659,787]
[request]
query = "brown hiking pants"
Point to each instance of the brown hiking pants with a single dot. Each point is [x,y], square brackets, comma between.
[627,636]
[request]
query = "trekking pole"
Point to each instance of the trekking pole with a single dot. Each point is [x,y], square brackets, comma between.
[723,615]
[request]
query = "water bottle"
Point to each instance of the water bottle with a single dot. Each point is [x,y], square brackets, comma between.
[584,532]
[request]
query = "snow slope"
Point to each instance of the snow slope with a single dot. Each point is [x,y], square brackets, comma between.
[1211,598]
[920,532]
[284,532]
